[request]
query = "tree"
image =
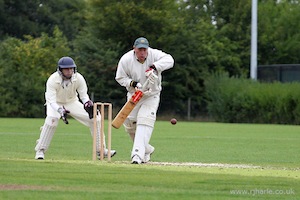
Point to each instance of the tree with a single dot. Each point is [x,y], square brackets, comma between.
[25,67]
[112,27]
[278,32]
[184,29]
[233,21]
[19,18]
[123,21]
[199,49]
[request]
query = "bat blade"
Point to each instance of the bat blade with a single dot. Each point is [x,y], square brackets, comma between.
[126,109]
[123,114]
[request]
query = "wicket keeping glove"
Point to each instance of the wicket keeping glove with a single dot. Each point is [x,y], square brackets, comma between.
[89,108]
[63,113]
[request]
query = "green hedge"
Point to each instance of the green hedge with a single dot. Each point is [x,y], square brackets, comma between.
[242,100]
[25,66]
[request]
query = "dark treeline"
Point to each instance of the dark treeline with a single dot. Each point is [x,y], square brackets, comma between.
[203,36]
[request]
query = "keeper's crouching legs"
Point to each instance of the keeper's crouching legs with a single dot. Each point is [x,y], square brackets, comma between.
[46,136]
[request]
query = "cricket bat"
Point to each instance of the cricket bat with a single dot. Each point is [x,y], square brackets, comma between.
[128,107]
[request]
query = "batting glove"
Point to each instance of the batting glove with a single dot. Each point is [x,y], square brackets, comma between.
[63,113]
[89,108]
[136,85]
[151,75]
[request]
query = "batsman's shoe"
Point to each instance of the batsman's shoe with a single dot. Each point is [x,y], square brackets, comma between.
[112,153]
[136,160]
[148,155]
[39,155]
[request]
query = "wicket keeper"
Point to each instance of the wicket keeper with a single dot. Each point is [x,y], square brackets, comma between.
[62,90]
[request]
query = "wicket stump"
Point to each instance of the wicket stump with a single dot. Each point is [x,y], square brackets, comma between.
[102,135]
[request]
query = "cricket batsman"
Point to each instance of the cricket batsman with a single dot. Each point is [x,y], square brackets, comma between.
[141,65]
[62,90]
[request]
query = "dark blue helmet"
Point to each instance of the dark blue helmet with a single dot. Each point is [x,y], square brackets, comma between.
[66,62]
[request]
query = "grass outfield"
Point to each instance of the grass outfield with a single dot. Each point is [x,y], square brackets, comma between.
[191,161]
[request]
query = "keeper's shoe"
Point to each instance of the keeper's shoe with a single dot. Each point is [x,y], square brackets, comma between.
[148,155]
[112,153]
[39,155]
[136,160]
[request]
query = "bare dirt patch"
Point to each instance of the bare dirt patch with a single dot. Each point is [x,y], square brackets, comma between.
[192,164]
[195,164]
[23,187]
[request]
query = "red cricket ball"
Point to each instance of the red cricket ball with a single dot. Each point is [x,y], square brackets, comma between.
[173,121]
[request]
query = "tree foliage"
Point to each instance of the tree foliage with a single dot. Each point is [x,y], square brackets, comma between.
[112,27]
[26,66]
[204,37]
[123,21]
[279,37]
[33,17]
